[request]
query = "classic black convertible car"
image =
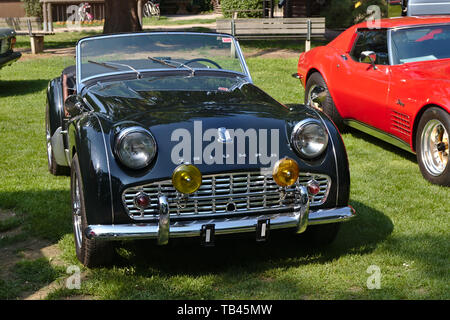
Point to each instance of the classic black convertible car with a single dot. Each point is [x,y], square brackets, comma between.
[7,41]
[165,135]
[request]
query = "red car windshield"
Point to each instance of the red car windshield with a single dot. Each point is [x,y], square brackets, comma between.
[420,44]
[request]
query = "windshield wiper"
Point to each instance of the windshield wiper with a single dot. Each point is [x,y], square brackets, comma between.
[165,62]
[112,64]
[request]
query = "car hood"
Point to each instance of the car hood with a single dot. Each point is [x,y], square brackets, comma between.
[151,104]
[197,116]
[429,70]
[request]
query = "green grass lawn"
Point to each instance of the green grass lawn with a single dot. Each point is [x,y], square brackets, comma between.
[402,224]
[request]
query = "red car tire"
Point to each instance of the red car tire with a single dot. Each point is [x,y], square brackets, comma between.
[328,106]
[432,150]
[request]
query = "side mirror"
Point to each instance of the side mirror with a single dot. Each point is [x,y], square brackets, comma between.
[73,105]
[317,97]
[368,57]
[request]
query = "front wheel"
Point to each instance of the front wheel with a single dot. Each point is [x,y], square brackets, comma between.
[327,104]
[432,146]
[90,252]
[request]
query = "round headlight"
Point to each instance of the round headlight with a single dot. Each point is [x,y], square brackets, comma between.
[309,138]
[186,178]
[285,172]
[135,147]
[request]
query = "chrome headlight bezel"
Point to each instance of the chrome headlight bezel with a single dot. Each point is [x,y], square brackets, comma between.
[120,139]
[297,138]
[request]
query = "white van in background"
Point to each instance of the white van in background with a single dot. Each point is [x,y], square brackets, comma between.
[425,7]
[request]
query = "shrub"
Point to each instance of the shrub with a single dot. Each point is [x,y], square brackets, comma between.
[229,5]
[32,8]
[203,5]
[343,14]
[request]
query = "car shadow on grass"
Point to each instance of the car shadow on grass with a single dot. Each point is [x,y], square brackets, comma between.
[232,260]
[283,250]
[21,87]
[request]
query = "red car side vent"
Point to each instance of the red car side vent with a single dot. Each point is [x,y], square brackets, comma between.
[401,122]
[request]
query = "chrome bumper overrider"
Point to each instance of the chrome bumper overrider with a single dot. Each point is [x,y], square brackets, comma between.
[164,230]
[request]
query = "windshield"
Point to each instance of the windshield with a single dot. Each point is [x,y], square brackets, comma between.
[146,51]
[420,43]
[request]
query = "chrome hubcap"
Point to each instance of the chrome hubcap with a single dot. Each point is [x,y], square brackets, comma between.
[76,211]
[316,105]
[434,147]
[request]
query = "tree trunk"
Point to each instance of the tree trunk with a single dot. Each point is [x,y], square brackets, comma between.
[121,16]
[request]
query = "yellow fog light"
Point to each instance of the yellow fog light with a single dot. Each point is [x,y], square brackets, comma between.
[186,178]
[285,172]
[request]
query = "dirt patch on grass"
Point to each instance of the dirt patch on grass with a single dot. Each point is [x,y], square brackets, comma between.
[11,254]
[267,53]
[272,53]
[18,247]
[48,53]
[29,249]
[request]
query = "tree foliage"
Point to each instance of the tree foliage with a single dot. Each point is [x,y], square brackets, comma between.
[32,8]
[345,13]
[255,7]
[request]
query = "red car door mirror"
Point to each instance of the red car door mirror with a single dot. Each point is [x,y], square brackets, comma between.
[368,57]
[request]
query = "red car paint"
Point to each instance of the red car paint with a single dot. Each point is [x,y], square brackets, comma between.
[387,96]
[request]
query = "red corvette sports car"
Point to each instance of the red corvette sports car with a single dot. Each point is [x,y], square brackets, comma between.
[392,82]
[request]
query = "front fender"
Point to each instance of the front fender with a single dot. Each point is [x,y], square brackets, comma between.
[341,159]
[334,162]
[55,114]
[54,101]
[86,138]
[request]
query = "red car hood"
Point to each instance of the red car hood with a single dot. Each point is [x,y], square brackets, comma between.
[429,70]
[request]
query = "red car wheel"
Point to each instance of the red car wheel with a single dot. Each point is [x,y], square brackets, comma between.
[327,105]
[432,146]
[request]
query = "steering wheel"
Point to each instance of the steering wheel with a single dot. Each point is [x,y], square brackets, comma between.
[202,59]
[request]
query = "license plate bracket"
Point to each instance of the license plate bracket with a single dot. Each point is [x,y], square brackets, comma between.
[262,230]
[207,235]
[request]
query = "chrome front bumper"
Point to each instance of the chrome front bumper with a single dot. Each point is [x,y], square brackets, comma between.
[298,220]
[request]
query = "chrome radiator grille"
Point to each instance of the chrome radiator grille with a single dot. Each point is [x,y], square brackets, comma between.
[223,194]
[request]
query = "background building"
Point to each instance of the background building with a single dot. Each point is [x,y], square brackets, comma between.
[11,8]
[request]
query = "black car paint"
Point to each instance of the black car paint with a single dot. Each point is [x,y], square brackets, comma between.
[9,56]
[55,104]
[110,105]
